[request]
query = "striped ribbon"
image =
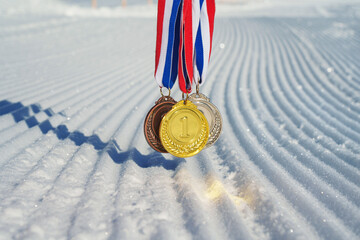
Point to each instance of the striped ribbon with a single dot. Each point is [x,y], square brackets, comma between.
[203,40]
[184,39]
[167,42]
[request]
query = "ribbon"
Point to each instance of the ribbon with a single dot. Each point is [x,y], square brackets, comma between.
[203,41]
[183,42]
[186,52]
[167,42]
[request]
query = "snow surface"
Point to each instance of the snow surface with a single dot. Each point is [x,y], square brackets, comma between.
[76,84]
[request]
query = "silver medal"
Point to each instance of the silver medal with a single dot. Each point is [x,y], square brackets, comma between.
[212,115]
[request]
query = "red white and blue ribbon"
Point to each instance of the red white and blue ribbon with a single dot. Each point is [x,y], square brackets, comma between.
[203,41]
[184,39]
[167,42]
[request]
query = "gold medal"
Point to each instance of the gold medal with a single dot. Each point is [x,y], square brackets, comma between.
[184,130]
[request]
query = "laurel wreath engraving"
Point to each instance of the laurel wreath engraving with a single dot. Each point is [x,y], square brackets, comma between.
[216,130]
[152,139]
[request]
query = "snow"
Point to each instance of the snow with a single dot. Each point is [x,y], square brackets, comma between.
[76,84]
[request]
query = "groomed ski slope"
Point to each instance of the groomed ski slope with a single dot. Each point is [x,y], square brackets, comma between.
[74,164]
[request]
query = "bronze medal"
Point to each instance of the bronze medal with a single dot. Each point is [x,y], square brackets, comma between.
[153,120]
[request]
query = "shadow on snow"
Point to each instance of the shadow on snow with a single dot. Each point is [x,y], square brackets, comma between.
[25,113]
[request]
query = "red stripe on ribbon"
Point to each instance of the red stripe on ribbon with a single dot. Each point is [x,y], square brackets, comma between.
[210,5]
[186,45]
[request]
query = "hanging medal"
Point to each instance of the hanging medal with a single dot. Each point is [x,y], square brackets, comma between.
[166,67]
[203,43]
[211,113]
[184,130]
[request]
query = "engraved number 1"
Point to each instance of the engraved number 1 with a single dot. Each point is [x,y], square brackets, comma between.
[185,127]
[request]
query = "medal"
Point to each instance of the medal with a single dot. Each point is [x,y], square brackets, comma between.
[183,49]
[212,115]
[166,67]
[153,120]
[184,130]
[203,42]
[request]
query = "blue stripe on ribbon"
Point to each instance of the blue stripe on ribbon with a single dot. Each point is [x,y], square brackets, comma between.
[171,60]
[175,57]
[199,52]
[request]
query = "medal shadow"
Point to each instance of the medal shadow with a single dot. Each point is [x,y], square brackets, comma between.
[27,114]
[154,159]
